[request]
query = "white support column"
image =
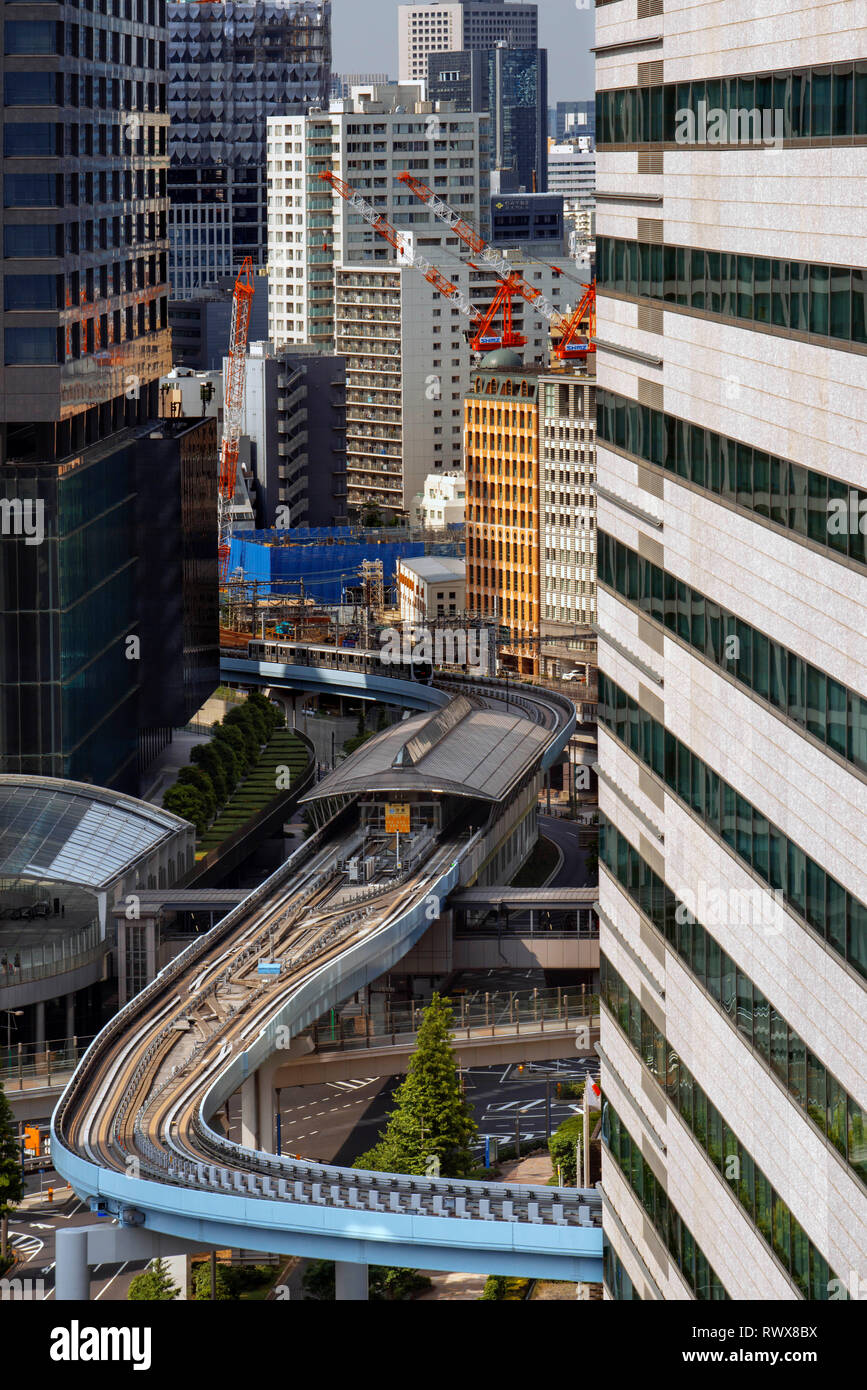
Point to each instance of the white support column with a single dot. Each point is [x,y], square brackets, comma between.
[40,1022]
[72,1277]
[70,1015]
[350,1282]
[249,1114]
[179,1270]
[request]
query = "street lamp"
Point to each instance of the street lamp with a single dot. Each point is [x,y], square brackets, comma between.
[10,1014]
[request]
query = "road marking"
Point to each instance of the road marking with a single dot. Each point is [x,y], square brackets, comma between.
[111,1281]
[50,1293]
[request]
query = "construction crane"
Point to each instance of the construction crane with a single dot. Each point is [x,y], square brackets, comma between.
[242,300]
[567,325]
[484,339]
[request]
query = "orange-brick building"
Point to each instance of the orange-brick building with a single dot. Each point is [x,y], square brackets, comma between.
[501,450]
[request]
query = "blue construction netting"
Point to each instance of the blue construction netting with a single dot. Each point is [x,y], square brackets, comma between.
[327,559]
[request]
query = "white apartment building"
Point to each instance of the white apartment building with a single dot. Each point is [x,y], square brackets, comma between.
[367,143]
[431,586]
[732,595]
[448,28]
[572,171]
[443,501]
[567,474]
[408,360]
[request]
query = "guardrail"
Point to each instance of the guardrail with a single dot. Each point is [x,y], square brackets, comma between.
[40,1062]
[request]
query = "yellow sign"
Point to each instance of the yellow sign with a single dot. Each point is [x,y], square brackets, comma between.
[31,1140]
[396,818]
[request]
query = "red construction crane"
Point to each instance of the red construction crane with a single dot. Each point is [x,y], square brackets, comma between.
[566,348]
[236,381]
[483,339]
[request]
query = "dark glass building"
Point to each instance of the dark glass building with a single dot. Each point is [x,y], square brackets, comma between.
[511,84]
[84,337]
[232,64]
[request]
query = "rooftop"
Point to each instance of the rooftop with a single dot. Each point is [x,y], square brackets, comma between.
[459,750]
[72,832]
[436,568]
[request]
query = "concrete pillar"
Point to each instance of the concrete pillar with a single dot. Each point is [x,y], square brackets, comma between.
[70,1015]
[178,1267]
[265,1107]
[350,1282]
[72,1276]
[40,1022]
[249,1114]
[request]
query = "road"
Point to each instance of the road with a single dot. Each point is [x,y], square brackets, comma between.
[337,1121]
[32,1231]
[572,873]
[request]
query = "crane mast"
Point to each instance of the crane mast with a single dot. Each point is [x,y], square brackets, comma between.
[236,380]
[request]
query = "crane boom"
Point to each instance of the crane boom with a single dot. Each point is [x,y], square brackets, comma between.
[568,324]
[242,300]
[483,339]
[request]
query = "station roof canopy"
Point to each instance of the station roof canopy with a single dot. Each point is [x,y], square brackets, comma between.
[72,832]
[460,750]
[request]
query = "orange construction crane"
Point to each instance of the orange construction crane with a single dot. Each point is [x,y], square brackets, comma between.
[568,327]
[484,338]
[242,301]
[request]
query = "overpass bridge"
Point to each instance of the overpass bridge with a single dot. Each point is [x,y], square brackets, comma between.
[134,1132]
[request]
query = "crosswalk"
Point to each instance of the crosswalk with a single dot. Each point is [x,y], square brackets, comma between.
[351,1085]
[26,1246]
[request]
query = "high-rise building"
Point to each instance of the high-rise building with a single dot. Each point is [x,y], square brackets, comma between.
[511,84]
[367,143]
[574,118]
[342,83]
[572,171]
[232,64]
[732,318]
[408,360]
[567,476]
[465,24]
[523,218]
[85,341]
[501,423]
[295,416]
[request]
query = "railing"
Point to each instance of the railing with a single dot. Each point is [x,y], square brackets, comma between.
[25,1065]
[503,1014]
[28,963]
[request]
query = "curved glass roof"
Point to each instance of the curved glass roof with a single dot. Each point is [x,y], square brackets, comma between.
[75,833]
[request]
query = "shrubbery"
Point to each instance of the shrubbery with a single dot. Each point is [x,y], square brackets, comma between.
[218,765]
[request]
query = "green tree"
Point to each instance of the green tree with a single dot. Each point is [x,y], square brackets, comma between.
[227,733]
[196,777]
[11,1179]
[561,1147]
[187,802]
[431,1119]
[202,1283]
[155,1285]
[227,757]
[242,719]
[384,1284]
[205,756]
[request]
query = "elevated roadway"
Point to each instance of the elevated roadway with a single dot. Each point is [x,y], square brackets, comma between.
[133,1131]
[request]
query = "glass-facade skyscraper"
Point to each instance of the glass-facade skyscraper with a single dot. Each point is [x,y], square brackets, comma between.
[511,84]
[84,339]
[231,65]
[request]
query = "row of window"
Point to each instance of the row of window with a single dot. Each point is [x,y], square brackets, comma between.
[828,710]
[763,1205]
[809,1082]
[811,104]
[807,503]
[807,889]
[617,1281]
[828,301]
[677,1237]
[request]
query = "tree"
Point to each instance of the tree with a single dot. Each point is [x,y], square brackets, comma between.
[11,1178]
[155,1285]
[431,1120]
[226,755]
[228,733]
[384,1284]
[187,802]
[202,1283]
[205,756]
[196,777]
[561,1147]
[241,718]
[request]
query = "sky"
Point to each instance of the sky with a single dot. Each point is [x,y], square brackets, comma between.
[364,37]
